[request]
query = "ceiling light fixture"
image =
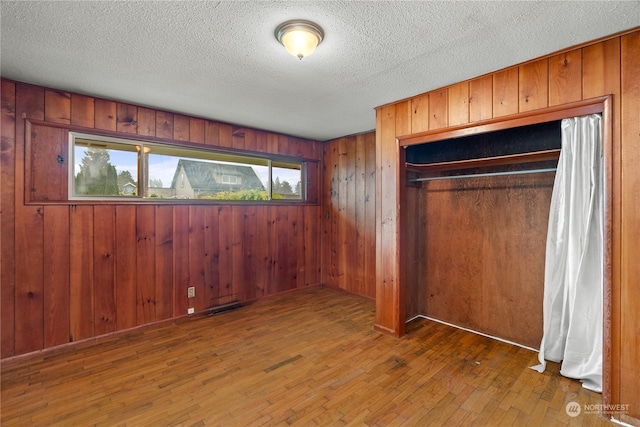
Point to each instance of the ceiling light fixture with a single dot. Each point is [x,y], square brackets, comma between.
[299,37]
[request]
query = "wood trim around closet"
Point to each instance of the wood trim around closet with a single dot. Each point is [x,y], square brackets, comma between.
[600,105]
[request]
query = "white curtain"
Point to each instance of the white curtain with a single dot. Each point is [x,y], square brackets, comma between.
[573,282]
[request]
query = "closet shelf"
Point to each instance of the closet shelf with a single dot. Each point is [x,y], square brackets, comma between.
[510,159]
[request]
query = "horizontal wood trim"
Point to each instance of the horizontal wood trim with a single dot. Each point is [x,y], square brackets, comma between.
[549,114]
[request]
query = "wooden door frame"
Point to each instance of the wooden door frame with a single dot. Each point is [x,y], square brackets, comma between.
[611,292]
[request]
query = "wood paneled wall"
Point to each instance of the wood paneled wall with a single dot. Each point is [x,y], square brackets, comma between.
[348,220]
[605,67]
[72,272]
[481,257]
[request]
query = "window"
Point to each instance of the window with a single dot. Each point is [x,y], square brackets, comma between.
[286,181]
[105,168]
[230,179]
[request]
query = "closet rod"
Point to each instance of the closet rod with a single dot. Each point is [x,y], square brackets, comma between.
[523,172]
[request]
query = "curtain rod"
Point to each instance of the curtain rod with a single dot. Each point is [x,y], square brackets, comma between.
[523,172]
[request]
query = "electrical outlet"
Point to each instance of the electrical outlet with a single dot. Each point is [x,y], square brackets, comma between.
[191,310]
[191,292]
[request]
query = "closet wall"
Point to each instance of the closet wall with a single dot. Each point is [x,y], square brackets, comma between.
[73,272]
[604,67]
[480,263]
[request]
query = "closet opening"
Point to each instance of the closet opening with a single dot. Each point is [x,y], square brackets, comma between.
[474,218]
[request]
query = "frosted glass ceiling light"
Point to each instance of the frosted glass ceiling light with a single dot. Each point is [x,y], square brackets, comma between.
[299,37]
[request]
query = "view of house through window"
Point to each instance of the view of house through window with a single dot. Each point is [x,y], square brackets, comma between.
[105,168]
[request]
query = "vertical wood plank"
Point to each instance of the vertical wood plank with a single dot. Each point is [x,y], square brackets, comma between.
[238,137]
[565,77]
[438,109]
[57,106]
[212,256]
[299,247]
[505,92]
[325,216]
[314,182]
[295,147]
[359,195]
[250,139]
[272,143]
[533,84]
[370,215]
[48,175]
[181,127]
[237,254]
[343,224]
[81,273]
[164,125]
[82,111]
[249,245]
[601,69]
[387,296]
[104,269]
[334,218]
[630,249]
[212,133]
[56,275]
[164,262]
[145,265]
[105,115]
[146,121]
[403,117]
[29,236]
[286,259]
[313,264]
[196,130]
[30,275]
[420,113]
[261,253]
[225,242]
[225,134]
[481,98]
[7,219]
[127,118]
[413,282]
[180,259]
[283,145]
[126,264]
[273,221]
[458,107]
[348,266]
[197,256]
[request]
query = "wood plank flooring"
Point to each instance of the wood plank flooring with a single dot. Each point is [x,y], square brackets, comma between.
[305,358]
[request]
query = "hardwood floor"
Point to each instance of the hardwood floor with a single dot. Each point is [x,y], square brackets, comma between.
[304,358]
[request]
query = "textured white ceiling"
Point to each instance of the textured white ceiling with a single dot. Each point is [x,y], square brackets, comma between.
[220,60]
